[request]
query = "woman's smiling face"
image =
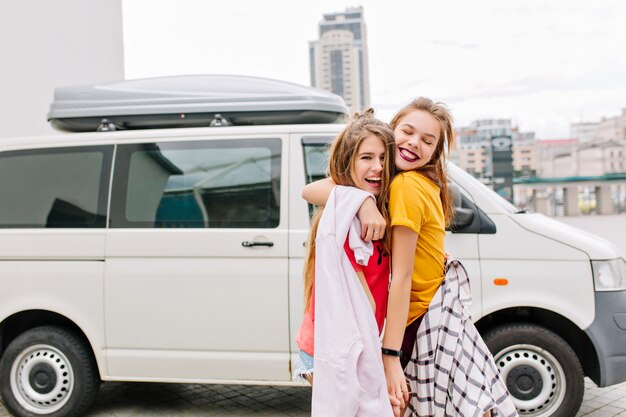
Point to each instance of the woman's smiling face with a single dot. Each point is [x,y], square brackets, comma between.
[368,164]
[416,136]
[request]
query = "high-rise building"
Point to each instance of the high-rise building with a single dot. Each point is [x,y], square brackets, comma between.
[338,59]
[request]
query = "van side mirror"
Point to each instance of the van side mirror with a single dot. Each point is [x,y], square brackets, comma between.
[462,216]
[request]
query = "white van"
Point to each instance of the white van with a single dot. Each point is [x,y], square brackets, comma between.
[175,254]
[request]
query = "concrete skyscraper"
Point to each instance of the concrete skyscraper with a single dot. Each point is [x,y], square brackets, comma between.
[338,59]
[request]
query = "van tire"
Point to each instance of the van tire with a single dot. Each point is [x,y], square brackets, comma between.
[527,356]
[48,371]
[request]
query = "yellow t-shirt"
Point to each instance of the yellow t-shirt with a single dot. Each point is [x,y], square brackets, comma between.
[414,202]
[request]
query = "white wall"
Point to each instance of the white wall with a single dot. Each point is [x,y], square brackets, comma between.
[50,43]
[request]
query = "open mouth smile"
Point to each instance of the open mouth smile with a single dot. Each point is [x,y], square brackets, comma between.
[375,181]
[408,155]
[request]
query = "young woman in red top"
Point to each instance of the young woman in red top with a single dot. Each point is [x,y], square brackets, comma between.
[360,156]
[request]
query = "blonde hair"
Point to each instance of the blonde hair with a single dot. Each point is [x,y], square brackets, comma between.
[342,158]
[435,168]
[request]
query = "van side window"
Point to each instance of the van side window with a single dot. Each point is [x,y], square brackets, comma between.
[55,187]
[315,160]
[315,150]
[197,184]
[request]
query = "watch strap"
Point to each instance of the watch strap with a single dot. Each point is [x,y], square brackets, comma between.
[391,352]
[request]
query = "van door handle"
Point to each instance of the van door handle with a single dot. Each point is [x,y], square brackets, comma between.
[247,244]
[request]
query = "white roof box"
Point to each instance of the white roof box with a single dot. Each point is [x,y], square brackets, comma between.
[190,101]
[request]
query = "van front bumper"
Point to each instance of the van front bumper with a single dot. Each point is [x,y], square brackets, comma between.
[608,335]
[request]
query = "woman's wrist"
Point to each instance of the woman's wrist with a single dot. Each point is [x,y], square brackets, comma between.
[392,352]
[390,359]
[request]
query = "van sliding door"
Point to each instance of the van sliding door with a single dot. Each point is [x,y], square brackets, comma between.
[196,269]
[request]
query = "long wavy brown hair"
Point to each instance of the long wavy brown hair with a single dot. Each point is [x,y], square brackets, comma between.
[342,158]
[435,168]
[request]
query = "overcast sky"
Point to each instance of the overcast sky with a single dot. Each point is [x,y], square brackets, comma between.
[542,63]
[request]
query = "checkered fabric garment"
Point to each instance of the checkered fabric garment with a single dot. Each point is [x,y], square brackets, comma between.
[451,372]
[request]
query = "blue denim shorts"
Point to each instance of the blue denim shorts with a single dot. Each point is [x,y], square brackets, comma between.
[305,367]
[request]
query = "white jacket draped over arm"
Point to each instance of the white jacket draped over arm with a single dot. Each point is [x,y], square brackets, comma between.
[349,375]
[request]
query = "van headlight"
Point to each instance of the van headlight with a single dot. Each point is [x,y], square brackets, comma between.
[609,275]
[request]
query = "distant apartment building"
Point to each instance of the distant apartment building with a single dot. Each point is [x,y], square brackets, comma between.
[475,148]
[569,158]
[583,132]
[596,159]
[524,154]
[607,129]
[554,156]
[473,159]
[338,59]
[582,174]
[596,149]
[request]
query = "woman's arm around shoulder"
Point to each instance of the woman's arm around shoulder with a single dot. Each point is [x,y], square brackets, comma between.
[317,192]
[373,224]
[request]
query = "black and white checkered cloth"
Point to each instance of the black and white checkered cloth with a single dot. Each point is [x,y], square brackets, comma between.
[452,372]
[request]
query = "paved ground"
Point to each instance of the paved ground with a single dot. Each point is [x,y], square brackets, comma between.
[126,400]
[123,400]
[191,400]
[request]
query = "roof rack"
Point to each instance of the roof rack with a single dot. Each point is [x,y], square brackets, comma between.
[191,101]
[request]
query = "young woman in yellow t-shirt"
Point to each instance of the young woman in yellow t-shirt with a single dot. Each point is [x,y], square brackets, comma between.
[420,208]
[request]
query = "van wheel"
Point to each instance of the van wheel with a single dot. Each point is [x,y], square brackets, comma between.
[48,371]
[539,368]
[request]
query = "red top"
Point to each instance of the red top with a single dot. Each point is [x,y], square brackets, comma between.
[376,274]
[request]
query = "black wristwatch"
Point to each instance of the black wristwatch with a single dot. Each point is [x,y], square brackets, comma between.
[391,352]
